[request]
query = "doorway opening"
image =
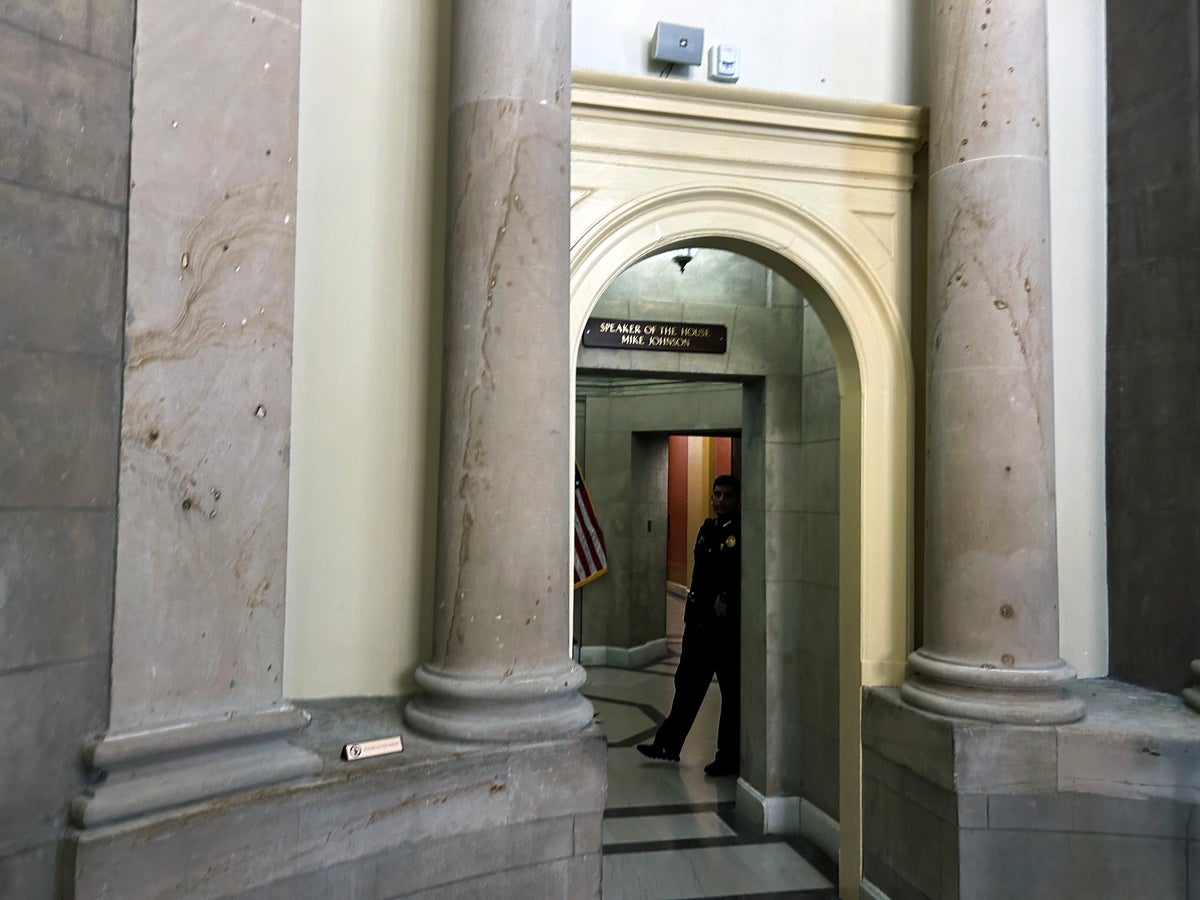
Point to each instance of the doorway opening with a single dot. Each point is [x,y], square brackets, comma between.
[776,390]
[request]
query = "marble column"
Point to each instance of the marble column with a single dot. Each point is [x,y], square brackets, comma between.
[991,596]
[196,698]
[500,669]
[1191,695]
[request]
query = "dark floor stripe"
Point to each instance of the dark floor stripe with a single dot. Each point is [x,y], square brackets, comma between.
[649,711]
[727,813]
[669,809]
[732,840]
[813,855]
[642,737]
[814,894]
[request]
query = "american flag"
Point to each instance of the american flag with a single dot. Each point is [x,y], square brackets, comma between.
[591,561]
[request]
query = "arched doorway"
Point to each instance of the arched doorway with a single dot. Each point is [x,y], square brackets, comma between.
[847,247]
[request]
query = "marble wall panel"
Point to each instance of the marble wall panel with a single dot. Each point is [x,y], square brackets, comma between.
[1152,300]
[821,549]
[58,434]
[376,820]
[1145,479]
[58,21]
[103,28]
[1156,141]
[818,489]
[818,636]
[784,697]
[1154,384]
[648,532]
[424,867]
[818,352]
[205,428]
[820,406]
[30,871]
[784,548]
[1134,39]
[66,119]
[903,837]
[1089,813]
[55,575]
[1154,222]
[111,23]
[783,293]
[1085,865]
[821,772]
[783,396]
[1153,327]
[1005,759]
[771,339]
[1152,641]
[819,697]
[49,709]
[902,736]
[64,275]
[784,474]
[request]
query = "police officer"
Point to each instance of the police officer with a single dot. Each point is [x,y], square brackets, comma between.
[711,636]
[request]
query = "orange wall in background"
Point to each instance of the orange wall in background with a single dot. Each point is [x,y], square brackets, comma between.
[677,493]
[722,456]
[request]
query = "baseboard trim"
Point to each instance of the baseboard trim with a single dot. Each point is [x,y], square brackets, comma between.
[868,891]
[788,815]
[770,815]
[820,829]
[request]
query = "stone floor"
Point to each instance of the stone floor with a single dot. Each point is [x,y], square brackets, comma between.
[669,831]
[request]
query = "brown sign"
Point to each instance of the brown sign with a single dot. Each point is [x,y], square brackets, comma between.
[681,337]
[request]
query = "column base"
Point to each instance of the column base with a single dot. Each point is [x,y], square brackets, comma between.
[155,770]
[1006,696]
[1191,695]
[519,708]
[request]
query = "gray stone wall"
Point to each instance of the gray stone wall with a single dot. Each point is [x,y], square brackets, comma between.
[499,820]
[625,444]
[1104,809]
[65,75]
[1153,426]
[817,584]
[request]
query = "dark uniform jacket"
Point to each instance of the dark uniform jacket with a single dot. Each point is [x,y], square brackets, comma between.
[717,573]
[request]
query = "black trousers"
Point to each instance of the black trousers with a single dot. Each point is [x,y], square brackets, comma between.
[711,646]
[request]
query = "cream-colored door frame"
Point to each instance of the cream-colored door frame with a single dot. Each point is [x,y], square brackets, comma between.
[822,188]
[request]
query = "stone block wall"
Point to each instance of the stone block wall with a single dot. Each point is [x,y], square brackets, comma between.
[817,586]
[65,82]
[484,820]
[1153,426]
[956,809]
[625,444]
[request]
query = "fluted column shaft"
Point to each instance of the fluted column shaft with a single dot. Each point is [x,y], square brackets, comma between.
[499,669]
[991,603]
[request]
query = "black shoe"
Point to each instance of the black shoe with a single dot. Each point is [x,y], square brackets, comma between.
[719,768]
[657,751]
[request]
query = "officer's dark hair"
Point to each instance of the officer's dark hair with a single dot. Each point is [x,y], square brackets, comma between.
[728,481]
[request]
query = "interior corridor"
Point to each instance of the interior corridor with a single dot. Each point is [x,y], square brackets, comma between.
[670,831]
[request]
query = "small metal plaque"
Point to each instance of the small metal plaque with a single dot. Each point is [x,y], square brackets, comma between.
[633,334]
[366,749]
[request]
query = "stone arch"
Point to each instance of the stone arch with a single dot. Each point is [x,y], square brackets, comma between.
[875,379]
